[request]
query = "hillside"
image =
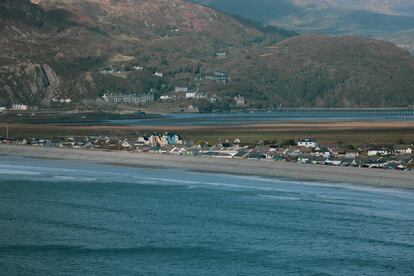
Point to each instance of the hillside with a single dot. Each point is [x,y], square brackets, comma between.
[77,38]
[337,72]
[58,49]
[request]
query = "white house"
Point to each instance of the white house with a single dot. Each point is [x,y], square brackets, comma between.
[303,160]
[196,95]
[308,143]
[179,151]
[180,89]
[221,54]
[142,141]
[165,97]
[2,109]
[138,68]
[333,162]
[321,152]
[22,142]
[404,149]
[20,107]
[66,100]
[376,152]
[126,145]
[239,100]
[156,140]
[352,154]
[201,95]
[190,95]
[107,71]
[159,74]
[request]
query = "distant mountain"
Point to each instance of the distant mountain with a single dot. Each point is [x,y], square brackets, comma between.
[391,7]
[56,49]
[374,18]
[263,11]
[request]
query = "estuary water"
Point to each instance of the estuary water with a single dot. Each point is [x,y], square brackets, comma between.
[236,119]
[232,119]
[74,218]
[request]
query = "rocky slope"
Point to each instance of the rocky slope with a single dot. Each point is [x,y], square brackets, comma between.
[31,83]
[54,49]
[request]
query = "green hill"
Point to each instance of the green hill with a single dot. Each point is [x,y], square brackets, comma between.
[56,49]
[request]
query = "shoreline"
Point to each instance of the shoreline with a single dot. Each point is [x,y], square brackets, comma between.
[275,169]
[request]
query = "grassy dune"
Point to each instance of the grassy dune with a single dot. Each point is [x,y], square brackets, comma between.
[355,133]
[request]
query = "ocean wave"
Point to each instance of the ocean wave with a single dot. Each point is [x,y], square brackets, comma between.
[201,183]
[288,198]
[36,169]
[17,172]
[147,250]
[74,178]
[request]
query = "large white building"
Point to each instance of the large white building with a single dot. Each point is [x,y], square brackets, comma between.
[308,143]
[128,98]
[20,107]
[196,95]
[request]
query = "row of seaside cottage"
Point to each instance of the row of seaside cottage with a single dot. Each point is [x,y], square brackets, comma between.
[307,151]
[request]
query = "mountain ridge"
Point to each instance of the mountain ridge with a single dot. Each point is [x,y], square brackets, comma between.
[379,19]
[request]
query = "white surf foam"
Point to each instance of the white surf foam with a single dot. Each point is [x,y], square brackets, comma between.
[17,172]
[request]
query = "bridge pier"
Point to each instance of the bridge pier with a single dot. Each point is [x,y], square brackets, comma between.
[341,112]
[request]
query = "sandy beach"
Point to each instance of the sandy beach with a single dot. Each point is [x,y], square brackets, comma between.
[275,169]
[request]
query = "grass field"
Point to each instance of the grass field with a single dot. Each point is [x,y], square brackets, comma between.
[352,133]
[351,137]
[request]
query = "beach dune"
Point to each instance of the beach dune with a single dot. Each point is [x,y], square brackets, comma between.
[275,169]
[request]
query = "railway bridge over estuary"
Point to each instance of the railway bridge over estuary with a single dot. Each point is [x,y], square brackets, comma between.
[339,112]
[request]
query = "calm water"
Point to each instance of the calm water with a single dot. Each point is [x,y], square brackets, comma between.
[59,217]
[220,119]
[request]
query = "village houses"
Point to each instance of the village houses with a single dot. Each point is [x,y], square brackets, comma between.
[307,151]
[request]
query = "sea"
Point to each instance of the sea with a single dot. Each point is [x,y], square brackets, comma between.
[77,218]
